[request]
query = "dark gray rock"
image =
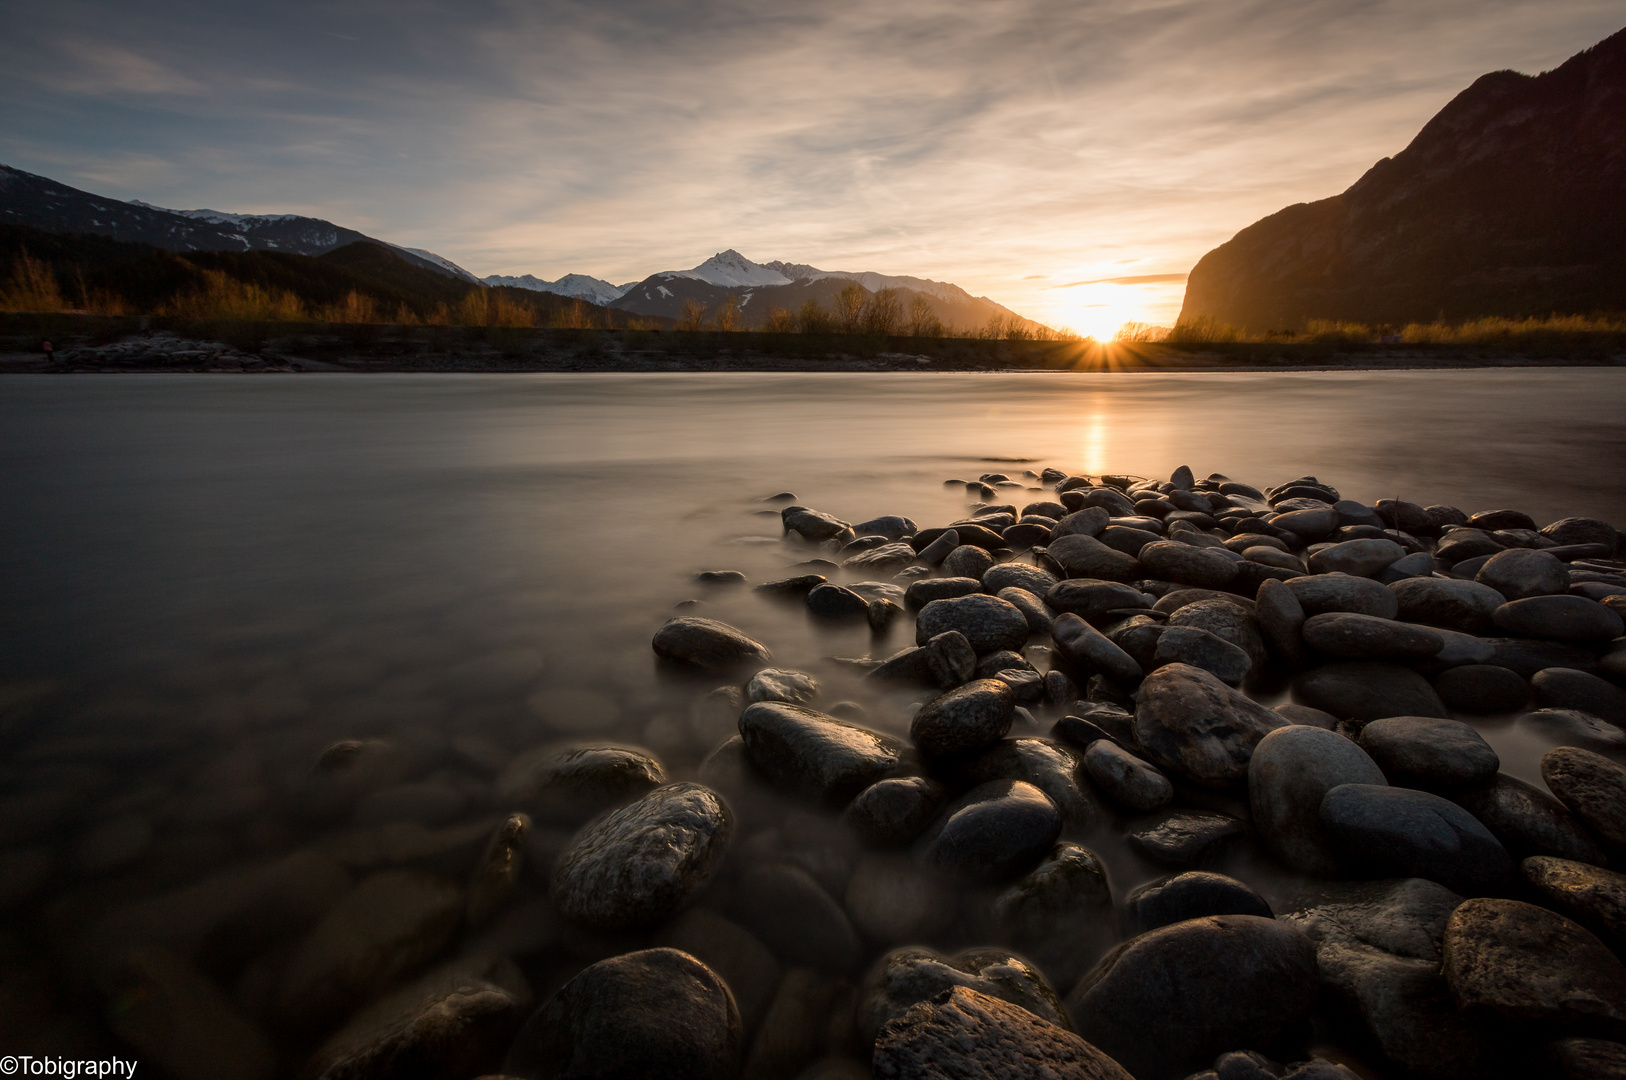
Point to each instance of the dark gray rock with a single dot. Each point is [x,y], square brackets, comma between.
[1125,779]
[1086,522]
[1168,1001]
[891,527]
[798,586]
[882,559]
[1566,688]
[1033,609]
[922,592]
[988,623]
[1207,568]
[1312,524]
[1481,689]
[965,719]
[1521,573]
[1590,895]
[1195,894]
[639,865]
[733,952]
[1005,660]
[1308,717]
[1464,606]
[993,832]
[1087,651]
[1398,832]
[1517,961]
[968,561]
[706,644]
[815,754]
[1183,837]
[1428,752]
[572,783]
[894,812]
[1362,558]
[789,912]
[1593,787]
[1060,913]
[1291,771]
[965,1035]
[1559,618]
[1199,648]
[934,552]
[1085,556]
[1049,766]
[1528,821]
[1578,530]
[658,1012]
[778,684]
[831,601]
[1527,656]
[1571,727]
[1090,599]
[1192,724]
[1128,540]
[811,524]
[1321,593]
[1229,619]
[905,977]
[1280,618]
[1364,637]
[1367,690]
[1014,575]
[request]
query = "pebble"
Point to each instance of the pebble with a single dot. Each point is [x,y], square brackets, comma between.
[1088,521]
[786,909]
[1593,787]
[1280,617]
[1481,689]
[1528,821]
[1364,637]
[1465,606]
[1192,724]
[1522,573]
[993,832]
[1559,618]
[1321,593]
[1125,779]
[905,977]
[1086,557]
[776,684]
[988,623]
[811,524]
[656,1012]
[1516,961]
[1429,753]
[637,866]
[1367,690]
[573,783]
[1362,558]
[1060,913]
[1291,771]
[1183,837]
[1089,652]
[894,812]
[815,754]
[892,527]
[966,719]
[1566,688]
[707,644]
[1590,895]
[1194,894]
[1169,1001]
[1398,832]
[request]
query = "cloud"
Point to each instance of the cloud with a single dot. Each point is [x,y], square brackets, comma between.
[1133,279]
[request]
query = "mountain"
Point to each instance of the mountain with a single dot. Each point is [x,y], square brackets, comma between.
[41,203]
[579,286]
[756,288]
[1508,202]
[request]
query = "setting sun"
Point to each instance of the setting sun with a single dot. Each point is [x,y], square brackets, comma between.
[1098,310]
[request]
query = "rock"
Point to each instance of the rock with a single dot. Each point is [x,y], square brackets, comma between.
[924,591]
[1517,961]
[1429,753]
[1207,568]
[1521,573]
[965,719]
[1280,617]
[637,866]
[818,755]
[796,1026]
[658,1012]
[993,832]
[1195,894]
[1091,599]
[1227,619]
[1088,521]
[1363,637]
[1528,656]
[1128,540]
[905,977]
[1306,716]
[1461,649]
[1578,1058]
[1089,652]
[1192,724]
[1199,648]
[1182,838]
[1170,1000]
[968,1036]
[801,924]
[891,900]
[776,684]
[1312,524]
[1566,688]
[174,1017]
[1481,689]
[988,623]
[1125,779]
[1060,913]
[1032,608]
[968,561]
[1590,895]
[743,963]
[1362,558]
[1087,557]
[377,933]
[1528,821]
[1570,727]
[894,812]
[1559,618]
[798,586]
[572,783]
[1291,771]
[811,524]
[1321,593]
[1592,786]
[1398,832]
[707,644]
[831,601]
[496,875]
[1419,564]
[938,549]
[1577,530]
[1012,575]
[1049,766]
[719,577]
[946,660]
[1367,690]
[890,526]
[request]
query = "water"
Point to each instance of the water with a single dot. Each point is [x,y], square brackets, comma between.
[204,581]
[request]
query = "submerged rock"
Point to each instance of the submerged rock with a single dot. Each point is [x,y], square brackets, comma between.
[707,644]
[991,833]
[816,754]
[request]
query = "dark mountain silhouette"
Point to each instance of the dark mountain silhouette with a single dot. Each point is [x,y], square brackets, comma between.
[1511,201]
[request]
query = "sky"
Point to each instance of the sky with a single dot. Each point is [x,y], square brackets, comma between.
[1071,159]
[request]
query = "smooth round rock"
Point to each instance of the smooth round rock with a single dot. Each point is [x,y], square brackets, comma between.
[905,977]
[707,644]
[1516,961]
[1450,604]
[965,719]
[993,832]
[1321,593]
[1280,617]
[1566,688]
[1087,557]
[893,812]
[1089,652]
[1087,521]
[1228,618]
[1192,724]
[1363,637]
[1571,727]
[777,684]
[1195,894]
[1523,572]
[832,601]
[1559,618]
[789,911]
[638,865]
[1291,771]
[1199,648]
[988,623]
[1398,832]
[1014,575]
[1528,821]
[658,1012]
[1428,752]
[1049,766]
[968,561]
[1205,568]
[1590,895]
[1039,617]
[1367,690]
[1169,1001]
[922,592]
[1060,913]
[1183,837]
[815,754]
[1592,786]
[969,1036]
[1362,558]
[890,526]
[1481,689]
[1125,779]
[1090,599]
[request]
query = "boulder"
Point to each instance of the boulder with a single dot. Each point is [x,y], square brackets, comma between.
[1516,961]
[893,812]
[1481,689]
[1085,556]
[1125,779]
[1361,558]
[1192,724]
[1566,688]
[1428,752]
[1089,652]
[1050,766]
[1229,619]
[1059,913]
[572,783]
[1281,620]
[1092,599]
[1206,568]
[1199,648]
[1397,832]
[1291,771]
[1183,837]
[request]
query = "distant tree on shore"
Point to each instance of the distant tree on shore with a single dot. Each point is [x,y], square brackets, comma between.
[882,312]
[779,321]
[727,318]
[813,319]
[693,316]
[923,320]
[850,304]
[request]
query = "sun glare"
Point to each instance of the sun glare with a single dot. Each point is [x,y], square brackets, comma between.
[1099,310]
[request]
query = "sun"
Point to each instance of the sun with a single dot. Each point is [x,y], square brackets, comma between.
[1098,310]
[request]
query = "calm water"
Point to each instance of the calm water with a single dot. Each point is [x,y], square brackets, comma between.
[206,580]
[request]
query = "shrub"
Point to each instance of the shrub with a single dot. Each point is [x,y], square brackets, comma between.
[923,320]
[33,287]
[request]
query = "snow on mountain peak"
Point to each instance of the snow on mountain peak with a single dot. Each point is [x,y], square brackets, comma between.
[730,268]
[580,286]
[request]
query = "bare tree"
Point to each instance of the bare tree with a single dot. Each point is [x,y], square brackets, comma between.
[882,314]
[923,320]
[728,315]
[693,317]
[779,321]
[813,319]
[850,303]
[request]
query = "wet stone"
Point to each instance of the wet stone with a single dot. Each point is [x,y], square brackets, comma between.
[1593,787]
[1571,727]
[1087,557]
[572,783]
[892,527]
[968,561]
[1089,652]
[1566,688]
[924,591]
[720,577]
[1033,609]
[1194,894]
[1521,573]
[777,684]
[1291,771]
[1363,637]
[938,549]
[1092,599]
[1517,961]
[730,950]
[1017,576]
[1280,618]
[993,832]
[1398,832]
[894,812]
[706,644]
[1559,618]
[1227,618]
[1362,558]
[1528,821]
[791,913]
[816,754]
[792,586]
[1049,766]
[830,601]
[1322,593]
[1481,689]
[811,524]
[1060,913]
[1207,568]
[988,623]
[1367,690]
[1429,753]
[1004,660]
[639,865]
[965,719]
[1590,895]
[905,977]
[1125,779]
[1192,724]
[1185,837]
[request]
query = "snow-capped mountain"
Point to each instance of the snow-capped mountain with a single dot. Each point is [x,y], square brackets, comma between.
[872,281]
[579,286]
[731,270]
